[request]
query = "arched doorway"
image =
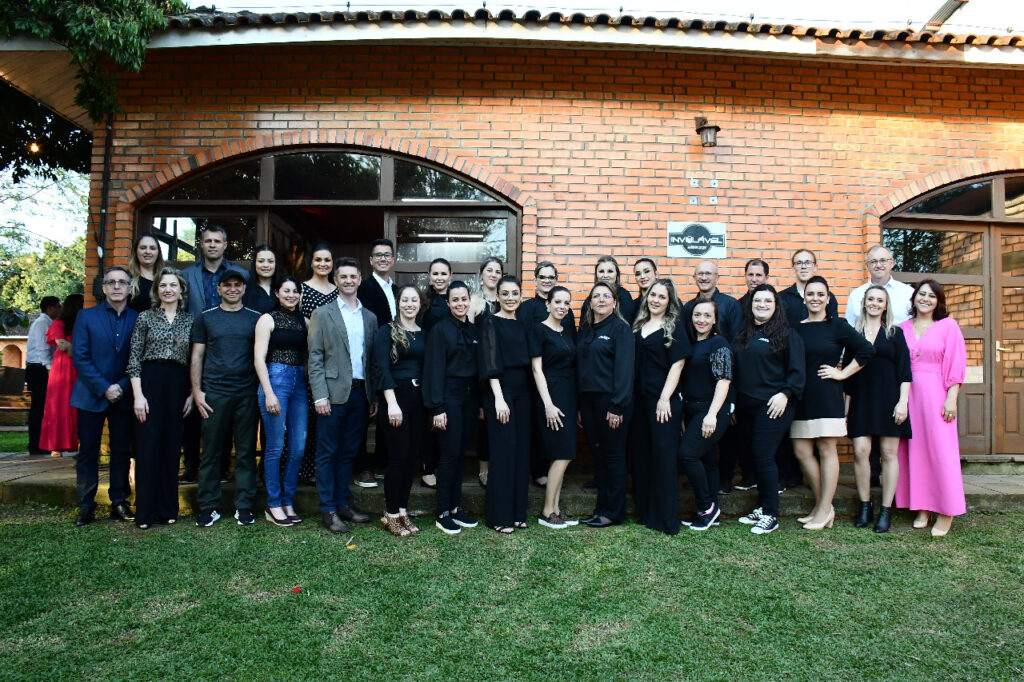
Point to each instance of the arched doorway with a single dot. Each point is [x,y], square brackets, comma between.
[12,356]
[969,236]
[293,198]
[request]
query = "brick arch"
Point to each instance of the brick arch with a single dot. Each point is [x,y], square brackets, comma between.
[13,355]
[947,176]
[449,159]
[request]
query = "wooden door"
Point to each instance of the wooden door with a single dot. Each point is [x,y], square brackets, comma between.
[1008,342]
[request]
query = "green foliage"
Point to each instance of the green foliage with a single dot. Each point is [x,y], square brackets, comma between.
[23,121]
[93,31]
[56,271]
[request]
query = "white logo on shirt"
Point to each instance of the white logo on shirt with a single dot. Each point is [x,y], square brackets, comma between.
[605,338]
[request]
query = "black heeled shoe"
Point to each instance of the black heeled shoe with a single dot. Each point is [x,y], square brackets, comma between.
[865,517]
[884,519]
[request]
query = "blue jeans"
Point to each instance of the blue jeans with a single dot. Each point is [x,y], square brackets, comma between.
[337,442]
[289,385]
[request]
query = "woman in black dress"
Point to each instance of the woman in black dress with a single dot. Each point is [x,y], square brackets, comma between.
[769,376]
[606,271]
[878,405]
[259,291]
[483,303]
[318,290]
[146,261]
[451,397]
[439,274]
[505,385]
[645,271]
[819,419]
[605,354]
[661,351]
[399,349]
[708,398]
[553,356]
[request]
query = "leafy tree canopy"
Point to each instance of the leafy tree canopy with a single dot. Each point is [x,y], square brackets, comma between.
[24,121]
[93,31]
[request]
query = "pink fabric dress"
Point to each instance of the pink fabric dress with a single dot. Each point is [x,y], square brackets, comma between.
[930,478]
[60,421]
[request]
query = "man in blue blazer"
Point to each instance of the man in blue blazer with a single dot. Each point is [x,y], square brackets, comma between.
[99,350]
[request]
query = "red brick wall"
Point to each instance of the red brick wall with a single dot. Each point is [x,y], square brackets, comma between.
[601,145]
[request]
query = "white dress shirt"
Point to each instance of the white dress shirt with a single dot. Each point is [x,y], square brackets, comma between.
[899,301]
[389,293]
[353,319]
[38,351]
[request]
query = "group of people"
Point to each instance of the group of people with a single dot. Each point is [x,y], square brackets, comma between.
[660,386]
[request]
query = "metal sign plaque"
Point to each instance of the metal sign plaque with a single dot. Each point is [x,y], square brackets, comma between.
[696,240]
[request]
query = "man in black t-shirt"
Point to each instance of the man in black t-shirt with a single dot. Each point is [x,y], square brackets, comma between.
[224,391]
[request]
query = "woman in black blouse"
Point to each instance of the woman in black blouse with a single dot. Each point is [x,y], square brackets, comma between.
[398,353]
[158,371]
[604,365]
[259,291]
[878,405]
[553,356]
[708,397]
[439,275]
[280,359]
[505,381]
[645,271]
[819,417]
[769,377]
[318,290]
[146,261]
[661,351]
[606,271]
[450,394]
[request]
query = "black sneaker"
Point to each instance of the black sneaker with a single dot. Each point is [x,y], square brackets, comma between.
[188,479]
[463,519]
[207,519]
[746,485]
[766,524]
[447,524]
[706,519]
[690,521]
[244,517]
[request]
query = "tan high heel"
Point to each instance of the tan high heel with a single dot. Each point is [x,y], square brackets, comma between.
[923,517]
[805,519]
[407,522]
[827,523]
[393,525]
[942,525]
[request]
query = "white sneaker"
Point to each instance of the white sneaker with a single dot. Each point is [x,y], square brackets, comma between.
[766,524]
[752,518]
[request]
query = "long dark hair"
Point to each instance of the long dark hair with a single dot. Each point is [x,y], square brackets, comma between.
[135,270]
[940,303]
[276,287]
[431,292]
[255,278]
[776,329]
[691,331]
[69,310]
[818,279]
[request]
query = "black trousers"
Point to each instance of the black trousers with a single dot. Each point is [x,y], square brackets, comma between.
[732,449]
[608,447]
[655,469]
[761,437]
[697,454]
[461,403]
[430,446]
[232,416]
[158,441]
[508,479]
[36,376]
[90,430]
[401,442]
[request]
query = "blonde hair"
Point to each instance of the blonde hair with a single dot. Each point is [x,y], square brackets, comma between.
[134,271]
[671,312]
[399,334]
[887,320]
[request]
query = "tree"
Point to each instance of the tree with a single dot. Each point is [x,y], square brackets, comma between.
[99,35]
[24,122]
[56,271]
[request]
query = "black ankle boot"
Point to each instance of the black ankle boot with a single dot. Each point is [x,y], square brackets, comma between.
[884,517]
[865,517]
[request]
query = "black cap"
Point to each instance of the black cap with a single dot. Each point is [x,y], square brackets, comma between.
[229,273]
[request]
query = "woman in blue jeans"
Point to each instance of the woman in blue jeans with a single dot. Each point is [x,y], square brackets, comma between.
[280,354]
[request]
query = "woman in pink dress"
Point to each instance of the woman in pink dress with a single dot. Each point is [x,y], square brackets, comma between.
[59,432]
[930,481]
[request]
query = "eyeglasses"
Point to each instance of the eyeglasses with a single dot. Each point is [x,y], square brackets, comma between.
[878,262]
[116,283]
[803,263]
[382,256]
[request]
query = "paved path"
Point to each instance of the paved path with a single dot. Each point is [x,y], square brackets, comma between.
[51,480]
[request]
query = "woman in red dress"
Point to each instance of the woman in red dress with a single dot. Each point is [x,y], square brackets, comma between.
[59,432]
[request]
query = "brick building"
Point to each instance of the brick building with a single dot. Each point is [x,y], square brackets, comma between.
[568,137]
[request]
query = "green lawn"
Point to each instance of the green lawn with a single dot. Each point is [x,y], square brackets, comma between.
[13,441]
[110,602]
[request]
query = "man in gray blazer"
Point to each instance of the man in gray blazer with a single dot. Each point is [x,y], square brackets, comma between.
[340,378]
[202,278]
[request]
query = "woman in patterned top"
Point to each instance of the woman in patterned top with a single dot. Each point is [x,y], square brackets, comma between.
[158,369]
[318,290]
[280,358]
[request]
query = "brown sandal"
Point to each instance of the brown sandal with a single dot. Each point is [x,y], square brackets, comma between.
[394,525]
[409,525]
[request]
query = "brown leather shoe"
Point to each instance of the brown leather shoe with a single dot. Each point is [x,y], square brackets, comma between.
[331,522]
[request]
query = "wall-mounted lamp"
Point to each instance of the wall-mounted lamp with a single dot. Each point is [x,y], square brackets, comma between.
[708,133]
[33,147]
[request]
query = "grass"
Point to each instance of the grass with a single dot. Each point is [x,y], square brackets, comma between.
[110,602]
[13,441]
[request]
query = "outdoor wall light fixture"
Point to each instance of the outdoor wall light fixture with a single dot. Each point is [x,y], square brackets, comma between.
[708,133]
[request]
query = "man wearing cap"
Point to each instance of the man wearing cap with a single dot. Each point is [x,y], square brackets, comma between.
[224,393]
